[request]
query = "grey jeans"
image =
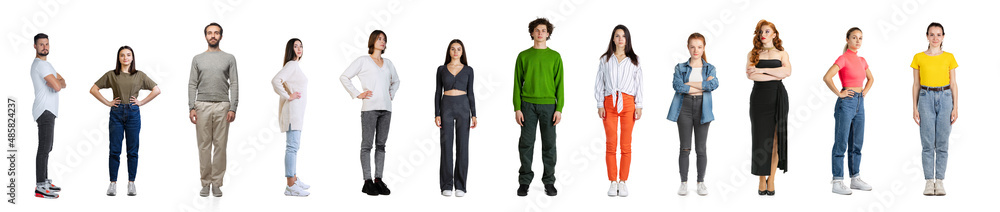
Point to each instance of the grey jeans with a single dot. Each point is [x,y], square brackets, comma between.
[690,120]
[374,125]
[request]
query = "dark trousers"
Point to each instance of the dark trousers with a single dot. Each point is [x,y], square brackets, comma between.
[537,116]
[123,123]
[46,129]
[688,121]
[455,121]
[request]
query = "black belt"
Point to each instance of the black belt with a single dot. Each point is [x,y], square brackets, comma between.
[946,87]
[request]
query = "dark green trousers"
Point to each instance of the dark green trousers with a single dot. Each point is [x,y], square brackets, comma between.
[537,115]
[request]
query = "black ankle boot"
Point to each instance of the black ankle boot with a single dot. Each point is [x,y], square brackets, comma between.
[381,187]
[369,188]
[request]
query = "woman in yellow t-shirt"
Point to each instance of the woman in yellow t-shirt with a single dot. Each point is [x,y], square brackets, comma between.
[935,106]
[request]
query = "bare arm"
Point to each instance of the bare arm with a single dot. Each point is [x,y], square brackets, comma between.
[62,82]
[54,82]
[155,92]
[94,90]
[954,97]
[868,85]
[828,79]
[781,72]
[916,93]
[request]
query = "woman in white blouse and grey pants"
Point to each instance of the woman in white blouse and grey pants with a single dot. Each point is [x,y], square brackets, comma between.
[618,91]
[380,83]
[290,84]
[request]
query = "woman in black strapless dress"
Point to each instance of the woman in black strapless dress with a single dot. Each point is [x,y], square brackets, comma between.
[767,65]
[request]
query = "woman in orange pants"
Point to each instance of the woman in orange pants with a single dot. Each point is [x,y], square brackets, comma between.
[618,91]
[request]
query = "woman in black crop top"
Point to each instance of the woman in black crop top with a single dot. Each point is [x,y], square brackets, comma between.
[767,65]
[455,114]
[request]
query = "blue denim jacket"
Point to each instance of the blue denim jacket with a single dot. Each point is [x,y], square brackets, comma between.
[681,73]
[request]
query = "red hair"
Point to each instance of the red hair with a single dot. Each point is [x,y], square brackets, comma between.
[758,45]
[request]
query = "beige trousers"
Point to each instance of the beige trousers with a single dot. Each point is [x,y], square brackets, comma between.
[213,131]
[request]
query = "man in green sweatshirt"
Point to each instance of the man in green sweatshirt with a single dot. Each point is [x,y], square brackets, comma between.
[538,100]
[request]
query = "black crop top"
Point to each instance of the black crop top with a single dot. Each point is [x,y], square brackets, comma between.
[463,81]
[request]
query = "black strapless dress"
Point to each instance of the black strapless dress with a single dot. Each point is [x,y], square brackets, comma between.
[768,118]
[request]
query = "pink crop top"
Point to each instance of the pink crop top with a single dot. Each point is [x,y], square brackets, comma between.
[852,69]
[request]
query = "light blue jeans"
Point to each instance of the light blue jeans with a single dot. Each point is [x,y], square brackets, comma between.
[849,135]
[934,108]
[292,138]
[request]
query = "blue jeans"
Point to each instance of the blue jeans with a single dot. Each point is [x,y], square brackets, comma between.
[124,123]
[849,134]
[292,138]
[934,108]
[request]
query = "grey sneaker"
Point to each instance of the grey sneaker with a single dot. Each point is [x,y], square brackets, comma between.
[939,188]
[53,187]
[204,191]
[131,188]
[216,191]
[112,189]
[929,188]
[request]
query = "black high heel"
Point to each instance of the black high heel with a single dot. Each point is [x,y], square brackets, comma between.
[762,193]
[769,193]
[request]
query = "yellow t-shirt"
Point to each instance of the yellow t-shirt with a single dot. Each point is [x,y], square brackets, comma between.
[935,71]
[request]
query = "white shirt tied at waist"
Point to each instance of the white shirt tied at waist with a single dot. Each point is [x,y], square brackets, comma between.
[615,77]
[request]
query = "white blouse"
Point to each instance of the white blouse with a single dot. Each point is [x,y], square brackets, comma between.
[382,81]
[290,80]
[616,77]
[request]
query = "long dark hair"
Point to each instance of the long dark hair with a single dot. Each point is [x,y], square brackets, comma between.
[849,35]
[290,50]
[935,24]
[447,54]
[628,45]
[118,63]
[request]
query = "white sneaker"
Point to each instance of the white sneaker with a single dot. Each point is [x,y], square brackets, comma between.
[683,190]
[459,193]
[296,191]
[131,188]
[298,181]
[840,188]
[112,190]
[446,193]
[929,188]
[939,188]
[702,190]
[858,184]
[622,189]
[613,189]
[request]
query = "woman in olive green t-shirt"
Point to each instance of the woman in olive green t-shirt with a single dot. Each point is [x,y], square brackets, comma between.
[124,123]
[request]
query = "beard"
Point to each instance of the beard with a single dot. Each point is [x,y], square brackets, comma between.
[215,45]
[43,54]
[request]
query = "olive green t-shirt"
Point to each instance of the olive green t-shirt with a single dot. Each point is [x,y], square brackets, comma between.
[125,85]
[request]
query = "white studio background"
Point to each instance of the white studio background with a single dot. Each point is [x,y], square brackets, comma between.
[166,35]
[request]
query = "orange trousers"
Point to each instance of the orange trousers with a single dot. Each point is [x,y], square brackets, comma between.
[627,117]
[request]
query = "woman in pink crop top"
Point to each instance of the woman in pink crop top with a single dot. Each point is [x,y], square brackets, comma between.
[849,113]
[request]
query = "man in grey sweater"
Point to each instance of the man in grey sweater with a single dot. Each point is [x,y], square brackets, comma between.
[213,93]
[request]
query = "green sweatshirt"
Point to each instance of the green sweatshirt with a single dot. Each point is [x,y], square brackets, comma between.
[538,78]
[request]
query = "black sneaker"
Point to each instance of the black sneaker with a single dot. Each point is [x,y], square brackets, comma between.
[522,190]
[381,187]
[550,190]
[369,188]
